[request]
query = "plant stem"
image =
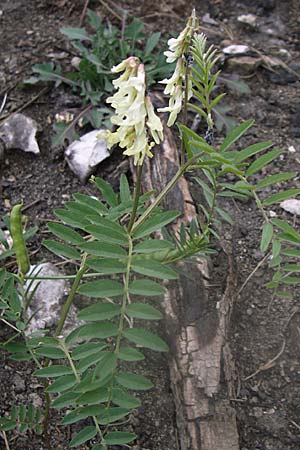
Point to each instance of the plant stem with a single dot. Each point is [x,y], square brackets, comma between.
[67,305]
[136,197]
[185,102]
[164,192]
[60,325]
[125,296]
[5,440]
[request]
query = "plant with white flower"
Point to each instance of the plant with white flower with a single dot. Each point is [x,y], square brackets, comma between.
[134,115]
[179,86]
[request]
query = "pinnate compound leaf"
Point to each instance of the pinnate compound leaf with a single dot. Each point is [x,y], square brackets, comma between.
[267,234]
[235,134]
[154,223]
[277,198]
[262,161]
[152,268]
[61,249]
[130,354]
[146,339]
[143,311]
[99,311]
[101,288]
[65,233]
[53,371]
[286,227]
[132,381]
[119,437]
[146,287]
[84,435]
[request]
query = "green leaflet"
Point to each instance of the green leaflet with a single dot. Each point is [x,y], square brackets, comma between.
[235,134]
[61,249]
[101,289]
[146,339]
[106,266]
[156,222]
[124,189]
[121,398]
[72,218]
[94,397]
[53,371]
[65,233]
[84,435]
[143,311]
[263,161]
[103,249]
[107,191]
[130,354]
[119,437]
[277,198]
[99,311]
[86,349]
[154,269]
[62,384]
[244,154]
[133,381]
[100,330]
[266,238]
[153,245]
[146,287]
[93,203]
[106,234]
[112,414]
[273,179]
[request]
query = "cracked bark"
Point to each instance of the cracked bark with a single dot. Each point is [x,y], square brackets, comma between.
[196,328]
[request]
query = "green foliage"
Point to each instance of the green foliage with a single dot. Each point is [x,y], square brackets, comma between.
[22,418]
[92,79]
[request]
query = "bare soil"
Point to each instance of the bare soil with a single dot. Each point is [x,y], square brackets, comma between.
[264,334]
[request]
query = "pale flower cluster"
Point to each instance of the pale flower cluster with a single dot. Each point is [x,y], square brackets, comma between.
[134,112]
[175,85]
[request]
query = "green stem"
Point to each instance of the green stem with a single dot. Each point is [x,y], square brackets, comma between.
[185,103]
[70,299]
[125,296]
[164,192]
[136,197]
[66,352]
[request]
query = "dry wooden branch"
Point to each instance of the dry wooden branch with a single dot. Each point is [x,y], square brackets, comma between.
[196,328]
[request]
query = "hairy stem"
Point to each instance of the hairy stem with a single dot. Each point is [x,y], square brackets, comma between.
[70,299]
[164,192]
[136,197]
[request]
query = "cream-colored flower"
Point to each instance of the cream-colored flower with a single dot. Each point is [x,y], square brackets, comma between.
[175,85]
[133,112]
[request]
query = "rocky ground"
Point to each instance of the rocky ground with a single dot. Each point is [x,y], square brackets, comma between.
[264,334]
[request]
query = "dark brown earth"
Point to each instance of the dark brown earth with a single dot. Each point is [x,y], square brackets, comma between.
[265,331]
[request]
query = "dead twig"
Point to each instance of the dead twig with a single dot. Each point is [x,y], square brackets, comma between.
[294,423]
[18,110]
[84,12]
[31,204]
[268,365]
[3,435]
[253,272]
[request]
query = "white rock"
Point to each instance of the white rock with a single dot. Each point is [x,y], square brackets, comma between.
[48,299]
[236,49]
[18,132]
[209,20]
[248,19]
[75,62]
[84,155]
[272,214]
[292,206]
[291,149]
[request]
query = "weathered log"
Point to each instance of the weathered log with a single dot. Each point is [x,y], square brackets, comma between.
[196,328]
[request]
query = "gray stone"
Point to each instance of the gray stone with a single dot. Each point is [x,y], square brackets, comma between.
[18,132]
[49,295]
[84,155]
